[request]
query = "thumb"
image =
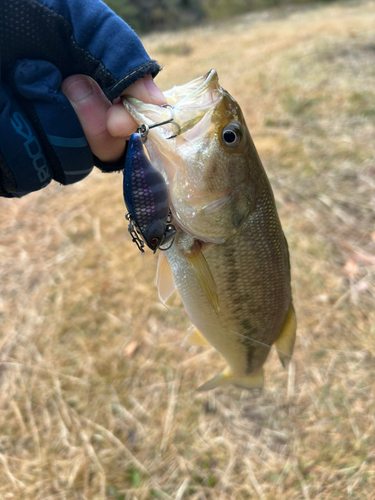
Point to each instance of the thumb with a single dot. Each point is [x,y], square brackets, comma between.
[119,121]
[146,90]
[91,107]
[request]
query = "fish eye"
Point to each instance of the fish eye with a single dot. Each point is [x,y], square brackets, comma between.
[231,135]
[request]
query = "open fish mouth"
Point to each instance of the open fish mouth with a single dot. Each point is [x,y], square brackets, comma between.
[187,105]
[193,104]
[194,93]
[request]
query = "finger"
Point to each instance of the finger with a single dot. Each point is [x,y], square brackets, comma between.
[119,122]
[147,91]
[91,107]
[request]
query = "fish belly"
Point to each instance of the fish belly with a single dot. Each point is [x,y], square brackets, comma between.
[201,313]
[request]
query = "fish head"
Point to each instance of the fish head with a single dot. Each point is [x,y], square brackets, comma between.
[205,154]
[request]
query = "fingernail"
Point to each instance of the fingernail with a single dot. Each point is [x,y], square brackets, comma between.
[78,90]
[154,91]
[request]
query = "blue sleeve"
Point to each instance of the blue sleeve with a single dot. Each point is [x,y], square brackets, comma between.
[43,42]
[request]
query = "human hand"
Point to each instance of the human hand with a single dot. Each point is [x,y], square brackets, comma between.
[42,133]
[104,124]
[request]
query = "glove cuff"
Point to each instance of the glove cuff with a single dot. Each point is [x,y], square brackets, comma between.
[116,166]
[148,68]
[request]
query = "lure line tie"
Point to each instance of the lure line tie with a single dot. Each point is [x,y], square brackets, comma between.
[144,129]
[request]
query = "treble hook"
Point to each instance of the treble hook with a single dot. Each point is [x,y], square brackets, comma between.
[144,129]
[174,123]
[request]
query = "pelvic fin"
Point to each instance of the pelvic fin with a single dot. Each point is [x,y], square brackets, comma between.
[164,278]
[202,273]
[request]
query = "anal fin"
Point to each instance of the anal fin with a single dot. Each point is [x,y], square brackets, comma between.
[285,341]
[202,273]
[195,338]
[252,381]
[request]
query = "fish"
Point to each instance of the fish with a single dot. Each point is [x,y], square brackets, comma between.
[229,260]
[146,198]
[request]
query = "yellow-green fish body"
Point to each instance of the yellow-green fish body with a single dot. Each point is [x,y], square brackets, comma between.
[229,260]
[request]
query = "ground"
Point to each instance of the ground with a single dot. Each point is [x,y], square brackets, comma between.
[97,395]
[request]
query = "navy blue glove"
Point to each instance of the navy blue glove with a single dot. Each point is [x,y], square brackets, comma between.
[42,42]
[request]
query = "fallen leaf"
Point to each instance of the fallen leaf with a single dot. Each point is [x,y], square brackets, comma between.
[351,267]
[131,348]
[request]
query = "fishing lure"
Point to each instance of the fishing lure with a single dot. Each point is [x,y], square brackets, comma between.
[146,197]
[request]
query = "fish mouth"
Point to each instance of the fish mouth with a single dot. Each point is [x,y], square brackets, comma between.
[193,91]
[193,102]
[187,106]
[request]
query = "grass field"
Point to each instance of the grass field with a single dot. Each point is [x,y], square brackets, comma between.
[97,396]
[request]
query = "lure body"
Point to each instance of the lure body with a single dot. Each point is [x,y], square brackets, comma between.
[146,196]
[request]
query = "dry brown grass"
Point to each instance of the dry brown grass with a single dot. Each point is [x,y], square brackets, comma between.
[98,397]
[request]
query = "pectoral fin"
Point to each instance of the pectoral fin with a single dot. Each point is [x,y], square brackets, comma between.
[285,341]
[195,338]
[252,381]
[202,273]
[164,278]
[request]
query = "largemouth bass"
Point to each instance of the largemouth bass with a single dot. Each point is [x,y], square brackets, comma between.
[229,260]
